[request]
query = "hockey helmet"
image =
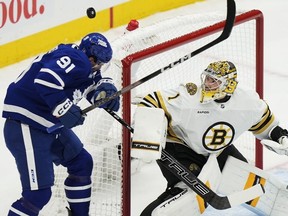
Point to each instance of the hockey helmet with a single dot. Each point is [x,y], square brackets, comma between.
[97,46]
[224,75]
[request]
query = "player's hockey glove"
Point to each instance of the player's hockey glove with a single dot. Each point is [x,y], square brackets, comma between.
[278,142]
[105,88]
[69,114]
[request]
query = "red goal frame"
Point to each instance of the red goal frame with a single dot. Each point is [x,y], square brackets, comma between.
[129,60]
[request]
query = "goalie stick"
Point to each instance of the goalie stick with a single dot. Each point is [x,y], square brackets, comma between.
[208,195]
[230,18]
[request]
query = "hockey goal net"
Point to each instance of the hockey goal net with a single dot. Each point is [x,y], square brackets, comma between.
[138,54]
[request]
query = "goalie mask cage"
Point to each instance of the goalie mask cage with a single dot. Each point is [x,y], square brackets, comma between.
[138,54]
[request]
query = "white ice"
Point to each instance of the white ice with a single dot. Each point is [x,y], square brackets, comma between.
[148,183]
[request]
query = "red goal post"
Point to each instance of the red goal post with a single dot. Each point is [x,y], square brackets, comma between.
[254,16]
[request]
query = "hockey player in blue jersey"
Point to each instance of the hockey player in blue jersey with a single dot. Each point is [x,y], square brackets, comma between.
[46,94]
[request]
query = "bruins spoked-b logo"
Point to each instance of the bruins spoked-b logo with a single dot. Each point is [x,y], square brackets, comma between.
[218,136]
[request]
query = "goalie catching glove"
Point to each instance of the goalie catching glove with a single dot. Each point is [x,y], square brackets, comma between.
[106,88]
[278,142]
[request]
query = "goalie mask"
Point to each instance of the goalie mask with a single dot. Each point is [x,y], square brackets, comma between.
[218,80]
[95,45]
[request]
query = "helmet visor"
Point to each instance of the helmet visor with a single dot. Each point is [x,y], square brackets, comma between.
[210,82]
[211,87]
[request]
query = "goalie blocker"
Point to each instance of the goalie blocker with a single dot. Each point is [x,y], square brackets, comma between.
[149,133]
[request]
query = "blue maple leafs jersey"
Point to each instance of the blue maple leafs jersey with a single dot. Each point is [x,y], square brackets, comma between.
[64,72]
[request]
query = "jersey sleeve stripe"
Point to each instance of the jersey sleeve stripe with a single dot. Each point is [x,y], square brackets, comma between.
[28,114]
[56,76]
[48,84]
[161,104]
[149,101]
[266,120]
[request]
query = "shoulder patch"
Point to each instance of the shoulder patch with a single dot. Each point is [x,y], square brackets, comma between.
[191,88]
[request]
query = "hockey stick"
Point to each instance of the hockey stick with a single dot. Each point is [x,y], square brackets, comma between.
[231,11]
[184,174]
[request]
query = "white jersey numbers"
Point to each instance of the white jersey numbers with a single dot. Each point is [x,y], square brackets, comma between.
[65,63]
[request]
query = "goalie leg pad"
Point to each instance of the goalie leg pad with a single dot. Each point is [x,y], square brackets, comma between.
[176,201]
[210,173]
[238,175]
[274,201]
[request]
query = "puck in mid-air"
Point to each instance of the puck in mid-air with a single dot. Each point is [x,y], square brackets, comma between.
[91,13]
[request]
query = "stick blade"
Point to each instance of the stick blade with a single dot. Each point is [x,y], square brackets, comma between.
[237,198]
[220,203]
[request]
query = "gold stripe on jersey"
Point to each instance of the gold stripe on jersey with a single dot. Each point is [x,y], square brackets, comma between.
[161,104]
[149,101]
[171,98]
[156,100]
[266,120]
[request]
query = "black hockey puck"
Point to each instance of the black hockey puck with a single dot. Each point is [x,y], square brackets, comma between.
[91,13]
